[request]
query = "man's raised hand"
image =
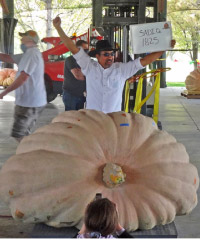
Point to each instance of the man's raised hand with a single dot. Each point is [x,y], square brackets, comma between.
[57,22]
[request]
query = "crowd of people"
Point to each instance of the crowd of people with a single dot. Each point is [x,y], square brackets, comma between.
[89,84]
[103,81]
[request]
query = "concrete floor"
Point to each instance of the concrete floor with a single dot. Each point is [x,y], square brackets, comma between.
[179,116]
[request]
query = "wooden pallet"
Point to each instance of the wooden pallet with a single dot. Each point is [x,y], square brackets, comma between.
[191,94]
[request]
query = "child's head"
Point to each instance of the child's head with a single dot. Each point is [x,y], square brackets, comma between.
[101,216]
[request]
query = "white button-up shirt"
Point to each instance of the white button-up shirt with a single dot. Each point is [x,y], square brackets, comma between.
[105,86]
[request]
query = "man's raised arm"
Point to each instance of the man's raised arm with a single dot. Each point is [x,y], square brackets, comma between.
[150,58]
[153,56]
[66,40]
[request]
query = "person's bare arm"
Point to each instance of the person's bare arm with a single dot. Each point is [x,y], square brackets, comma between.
[17,83]
[153,56]
[6,58]
[150,58]
[83,229]
[78,74]
[66,40]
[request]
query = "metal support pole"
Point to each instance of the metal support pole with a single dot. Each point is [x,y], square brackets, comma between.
[7,31]
[142,11]
[142,19]
[124,46]
[97,13]
[10,4]
[162,18]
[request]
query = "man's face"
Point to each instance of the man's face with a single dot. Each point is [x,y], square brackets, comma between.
[85,46]
[26,40]
[105,58]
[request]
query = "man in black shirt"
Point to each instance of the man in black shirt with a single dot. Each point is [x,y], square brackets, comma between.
[74,85]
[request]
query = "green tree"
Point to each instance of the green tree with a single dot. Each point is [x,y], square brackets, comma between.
[185,18]
[76,17]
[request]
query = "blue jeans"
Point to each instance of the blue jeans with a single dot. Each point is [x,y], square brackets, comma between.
[72,102]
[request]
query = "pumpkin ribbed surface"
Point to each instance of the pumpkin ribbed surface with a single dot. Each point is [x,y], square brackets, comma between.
[59,169]
[192,82]
[7,76]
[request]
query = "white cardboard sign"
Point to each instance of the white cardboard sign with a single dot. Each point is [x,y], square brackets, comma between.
[151,37]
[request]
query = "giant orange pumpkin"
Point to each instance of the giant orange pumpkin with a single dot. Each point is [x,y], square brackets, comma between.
[7,76]
[58,170]
[192,82]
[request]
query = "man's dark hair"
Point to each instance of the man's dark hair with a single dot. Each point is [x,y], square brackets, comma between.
[101,216]
[79,43]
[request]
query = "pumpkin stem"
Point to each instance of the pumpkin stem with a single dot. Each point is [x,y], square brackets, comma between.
[113,175]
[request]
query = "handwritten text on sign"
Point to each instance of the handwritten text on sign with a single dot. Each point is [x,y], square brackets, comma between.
[151,37]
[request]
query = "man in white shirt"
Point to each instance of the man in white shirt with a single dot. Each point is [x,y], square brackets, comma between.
[29,86]
[104,79]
